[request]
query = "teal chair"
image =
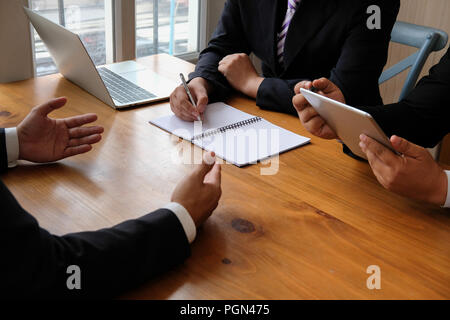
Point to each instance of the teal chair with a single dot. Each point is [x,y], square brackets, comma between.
[425,39]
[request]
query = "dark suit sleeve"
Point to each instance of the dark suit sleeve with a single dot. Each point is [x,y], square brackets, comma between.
[34,262]
[228,38]
[364,54]
[3,154]
[358,69]
[276,94]
[423,117]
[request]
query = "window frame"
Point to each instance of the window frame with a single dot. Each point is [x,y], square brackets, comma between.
[120,27]
[201,30]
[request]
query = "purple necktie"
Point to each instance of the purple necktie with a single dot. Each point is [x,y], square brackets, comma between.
[292,6]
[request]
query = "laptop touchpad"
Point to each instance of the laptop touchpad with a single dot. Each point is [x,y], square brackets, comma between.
[151,82]
[125,67]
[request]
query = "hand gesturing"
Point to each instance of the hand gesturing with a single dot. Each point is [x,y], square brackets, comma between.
[42,139]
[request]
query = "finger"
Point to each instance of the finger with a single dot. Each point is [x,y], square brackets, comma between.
[307,114]
[182,102]
[223,61]
[175,106]
[189,110]
[379,168]
[227,58]
[45,108]
[303,84]
[325,85]
[85,140]
[214,176]
[184,115]
[81,120]
[209,157]
[183,108]
[407,148]
[300,102]
[187,116]
[72,151]
[222,69]
[316,126]
[201,96]
[80,132]
[202,170]
[370,146]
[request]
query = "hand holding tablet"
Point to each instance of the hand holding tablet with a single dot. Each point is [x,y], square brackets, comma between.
[345,122]
[309,117]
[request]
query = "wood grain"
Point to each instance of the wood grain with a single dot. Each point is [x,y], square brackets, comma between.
[308,232]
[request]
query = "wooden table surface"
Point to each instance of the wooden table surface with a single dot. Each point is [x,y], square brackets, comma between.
[308,232]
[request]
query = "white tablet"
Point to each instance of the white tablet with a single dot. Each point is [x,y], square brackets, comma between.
[348,122]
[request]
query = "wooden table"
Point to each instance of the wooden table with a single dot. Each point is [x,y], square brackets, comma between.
[308,232]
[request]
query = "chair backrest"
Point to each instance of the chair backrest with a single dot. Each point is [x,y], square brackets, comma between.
[425,39]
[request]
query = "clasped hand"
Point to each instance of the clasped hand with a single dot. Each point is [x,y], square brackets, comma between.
[240,73]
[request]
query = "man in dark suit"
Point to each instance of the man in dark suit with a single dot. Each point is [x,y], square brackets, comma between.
[295,40]
[423,118]
[34,263]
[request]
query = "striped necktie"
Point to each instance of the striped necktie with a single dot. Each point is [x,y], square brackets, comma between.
[292,6]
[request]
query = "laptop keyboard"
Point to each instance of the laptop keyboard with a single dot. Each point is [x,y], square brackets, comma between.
[121,89]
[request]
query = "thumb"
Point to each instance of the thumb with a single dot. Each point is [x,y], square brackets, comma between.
[325,85]
[202,100]
[305,84]
[45,108]
[407,148]
[203,169]
[214,176]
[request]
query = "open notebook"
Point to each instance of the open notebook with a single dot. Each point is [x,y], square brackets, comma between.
[235,136]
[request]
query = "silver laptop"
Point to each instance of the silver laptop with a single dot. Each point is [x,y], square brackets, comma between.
[119,85]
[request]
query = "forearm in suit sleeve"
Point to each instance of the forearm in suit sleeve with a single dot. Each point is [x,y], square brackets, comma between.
[34,262]
[276,94]
[423,117]
[228,38]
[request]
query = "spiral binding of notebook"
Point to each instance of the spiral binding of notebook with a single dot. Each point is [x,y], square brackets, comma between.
[223,129]
[244,146]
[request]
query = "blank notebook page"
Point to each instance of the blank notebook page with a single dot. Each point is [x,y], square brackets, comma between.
[235,136]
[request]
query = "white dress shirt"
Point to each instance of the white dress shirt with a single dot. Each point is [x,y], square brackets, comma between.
[12,146]
[12,152]
[447,203]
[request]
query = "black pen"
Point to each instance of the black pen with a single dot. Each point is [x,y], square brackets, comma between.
[183,81]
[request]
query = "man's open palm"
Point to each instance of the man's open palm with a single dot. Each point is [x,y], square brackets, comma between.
[42,139]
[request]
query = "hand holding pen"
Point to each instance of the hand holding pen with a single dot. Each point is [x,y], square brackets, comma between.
[188,92]
[182,106]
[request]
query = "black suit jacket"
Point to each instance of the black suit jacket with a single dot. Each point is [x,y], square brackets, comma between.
[326,38]
[34,262]
[423,117]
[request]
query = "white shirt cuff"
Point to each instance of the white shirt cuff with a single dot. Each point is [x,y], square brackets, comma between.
[12,146]
[447,203]
[185,219]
